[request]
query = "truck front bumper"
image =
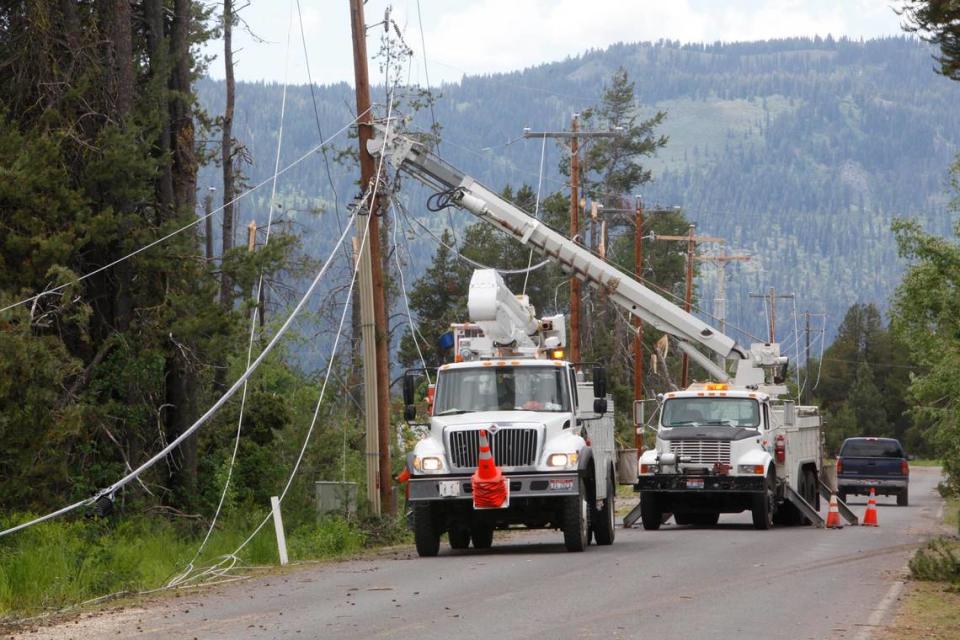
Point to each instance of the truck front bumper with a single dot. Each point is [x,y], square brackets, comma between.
[699,483]
[538,485]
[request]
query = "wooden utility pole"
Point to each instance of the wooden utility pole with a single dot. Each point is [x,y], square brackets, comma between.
[720,261]
[378,385]
[691,241]
[771,297]
[574,136]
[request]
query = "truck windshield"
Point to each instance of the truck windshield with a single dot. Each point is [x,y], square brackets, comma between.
[501,389]
[735,412]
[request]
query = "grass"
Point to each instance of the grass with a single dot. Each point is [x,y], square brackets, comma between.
[62,563]
[931,606]
[928,611]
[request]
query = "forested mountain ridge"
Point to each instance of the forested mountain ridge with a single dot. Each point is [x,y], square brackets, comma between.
[798,151]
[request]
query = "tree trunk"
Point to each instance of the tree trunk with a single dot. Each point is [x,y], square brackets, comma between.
[182,383]
[153,15]
[226,153]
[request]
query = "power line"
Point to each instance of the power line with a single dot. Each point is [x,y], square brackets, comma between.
[112,489]
[256,308]
[316,116]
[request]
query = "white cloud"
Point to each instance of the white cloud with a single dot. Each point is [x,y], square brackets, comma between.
[482,36]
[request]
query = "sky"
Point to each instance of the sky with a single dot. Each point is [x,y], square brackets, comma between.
[487,36]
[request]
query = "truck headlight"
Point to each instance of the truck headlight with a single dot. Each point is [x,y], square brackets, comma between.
[428,464]
[562,460]
[750,469]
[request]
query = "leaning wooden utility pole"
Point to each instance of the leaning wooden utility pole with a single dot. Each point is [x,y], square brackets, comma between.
[373,308]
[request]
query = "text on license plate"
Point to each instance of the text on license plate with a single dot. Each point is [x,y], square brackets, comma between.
[695,483]
[563,484]
[449,488]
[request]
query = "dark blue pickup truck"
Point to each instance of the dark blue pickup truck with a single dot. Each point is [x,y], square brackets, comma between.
[878,463]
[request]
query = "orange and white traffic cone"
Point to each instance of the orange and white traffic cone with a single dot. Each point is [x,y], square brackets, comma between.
[833,515]
[870,516]
[490,489]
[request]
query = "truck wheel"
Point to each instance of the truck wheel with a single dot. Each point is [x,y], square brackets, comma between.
[814,498]
[482,536]
[426,536]
[604,520]
[762,505]
[576,525]
[650,513]
[903,498]
[459,537]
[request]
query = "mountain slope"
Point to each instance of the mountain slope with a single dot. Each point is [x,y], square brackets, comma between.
[798,151]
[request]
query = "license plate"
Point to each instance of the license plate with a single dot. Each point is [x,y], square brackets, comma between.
[449,488]
[695,483]
[565,484]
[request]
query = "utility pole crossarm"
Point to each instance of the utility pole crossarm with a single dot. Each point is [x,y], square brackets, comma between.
[697,239]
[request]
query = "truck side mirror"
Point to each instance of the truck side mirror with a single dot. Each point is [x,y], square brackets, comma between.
[600,383]
[599,406]
[409,403]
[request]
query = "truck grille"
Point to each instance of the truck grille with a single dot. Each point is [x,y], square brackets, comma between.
[510,447]
[701,451]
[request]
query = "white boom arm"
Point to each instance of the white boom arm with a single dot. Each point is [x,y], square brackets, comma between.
[414,159]
[502,317]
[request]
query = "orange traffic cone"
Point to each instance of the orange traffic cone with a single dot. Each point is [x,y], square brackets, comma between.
[488,484]
[833,515]
[870,516]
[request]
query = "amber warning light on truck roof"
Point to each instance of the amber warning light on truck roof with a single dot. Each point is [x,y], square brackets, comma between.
[556,354]
[717,386]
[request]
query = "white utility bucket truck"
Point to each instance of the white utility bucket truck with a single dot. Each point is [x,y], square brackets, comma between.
[747,449]
[546,427]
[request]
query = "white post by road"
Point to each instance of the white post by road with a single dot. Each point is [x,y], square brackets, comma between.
[278,525]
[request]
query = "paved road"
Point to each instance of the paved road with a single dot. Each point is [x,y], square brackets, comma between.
[679,582]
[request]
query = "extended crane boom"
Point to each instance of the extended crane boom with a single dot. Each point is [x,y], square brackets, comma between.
[413,158]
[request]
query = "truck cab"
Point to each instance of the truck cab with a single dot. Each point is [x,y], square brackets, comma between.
[721,449]
[556,454]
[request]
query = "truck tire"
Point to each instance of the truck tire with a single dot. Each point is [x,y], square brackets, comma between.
[459,537]
[576,515]
[903,498]
[426,536]
[604,520]
[482,536]
[762,506]
[650,513]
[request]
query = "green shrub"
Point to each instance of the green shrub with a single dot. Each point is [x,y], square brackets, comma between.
[330,536]
[938,560]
